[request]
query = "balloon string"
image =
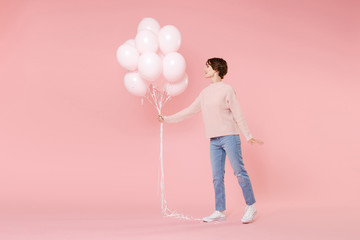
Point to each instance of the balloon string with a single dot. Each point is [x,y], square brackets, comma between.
[158,101]
[165,210]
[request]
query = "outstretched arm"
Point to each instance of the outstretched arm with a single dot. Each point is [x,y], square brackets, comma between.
[191,110]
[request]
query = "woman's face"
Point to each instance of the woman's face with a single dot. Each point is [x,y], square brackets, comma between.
[209,71]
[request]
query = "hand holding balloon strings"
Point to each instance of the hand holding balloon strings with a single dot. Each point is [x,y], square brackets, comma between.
[161,118]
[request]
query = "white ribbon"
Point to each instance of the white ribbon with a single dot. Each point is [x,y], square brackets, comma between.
[158,99]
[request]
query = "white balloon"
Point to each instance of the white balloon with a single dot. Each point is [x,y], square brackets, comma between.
[174,66]
[135,84]
[169,39]
[127,57]
[174,89]
[150,66]
[131,42]
[149,24]
[146,41]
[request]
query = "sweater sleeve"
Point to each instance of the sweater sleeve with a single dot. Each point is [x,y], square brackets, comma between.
[238,115]
[191,110]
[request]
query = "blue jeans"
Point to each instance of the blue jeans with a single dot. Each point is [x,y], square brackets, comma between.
[219,147]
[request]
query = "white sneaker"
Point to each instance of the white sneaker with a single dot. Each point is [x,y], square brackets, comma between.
[215,216]
[250,212]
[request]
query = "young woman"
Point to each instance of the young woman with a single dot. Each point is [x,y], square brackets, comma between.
[223,121]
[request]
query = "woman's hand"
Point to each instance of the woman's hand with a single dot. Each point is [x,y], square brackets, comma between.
[161,118]
[253,140]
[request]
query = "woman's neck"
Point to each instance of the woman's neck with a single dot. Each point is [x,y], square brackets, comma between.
[216,78]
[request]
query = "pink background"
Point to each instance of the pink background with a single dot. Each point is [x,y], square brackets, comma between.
[74,141]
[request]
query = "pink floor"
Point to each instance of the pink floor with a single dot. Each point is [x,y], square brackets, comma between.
[274,221]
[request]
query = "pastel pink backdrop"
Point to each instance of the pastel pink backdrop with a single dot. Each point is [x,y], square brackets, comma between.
[72,138]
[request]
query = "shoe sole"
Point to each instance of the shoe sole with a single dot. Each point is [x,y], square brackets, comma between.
[215,220]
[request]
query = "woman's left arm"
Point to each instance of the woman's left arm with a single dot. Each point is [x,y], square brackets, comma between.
[234,106]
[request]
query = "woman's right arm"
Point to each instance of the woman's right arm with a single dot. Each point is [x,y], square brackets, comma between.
[191,110]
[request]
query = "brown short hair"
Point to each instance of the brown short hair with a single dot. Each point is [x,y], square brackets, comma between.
[218,64]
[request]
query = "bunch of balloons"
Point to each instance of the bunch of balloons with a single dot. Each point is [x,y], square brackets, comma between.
[157,72]
[153,61]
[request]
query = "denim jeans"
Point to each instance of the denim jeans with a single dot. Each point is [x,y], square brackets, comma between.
[219,147]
